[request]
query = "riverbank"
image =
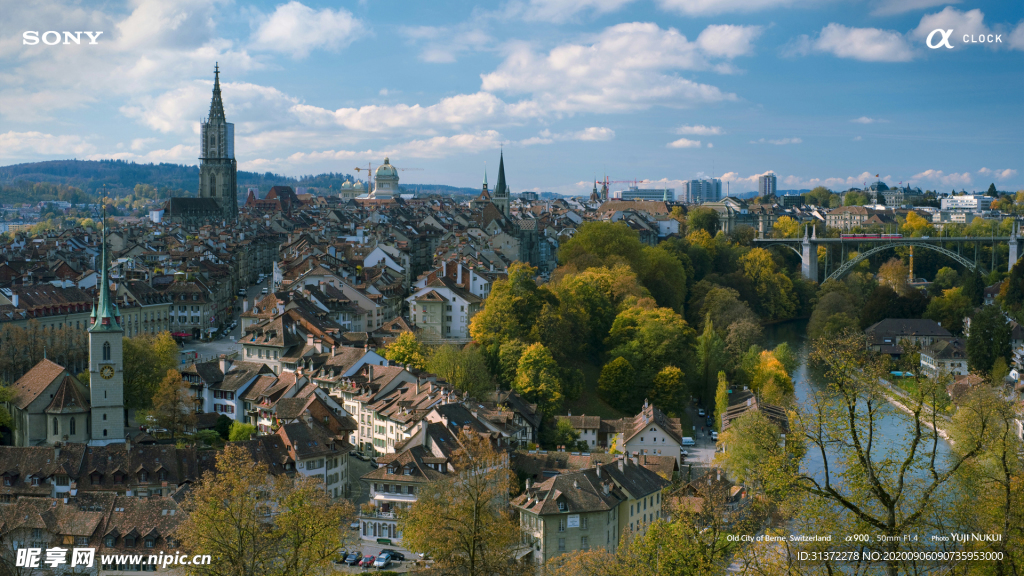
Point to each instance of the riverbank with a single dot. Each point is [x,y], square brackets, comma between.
[895,391]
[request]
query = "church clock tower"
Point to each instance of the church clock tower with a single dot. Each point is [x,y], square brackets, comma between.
[218,170]
[106,377]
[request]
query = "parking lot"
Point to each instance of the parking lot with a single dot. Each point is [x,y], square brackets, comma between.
[373,549]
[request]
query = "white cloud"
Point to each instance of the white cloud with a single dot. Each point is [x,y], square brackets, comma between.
[867,120]
[778,141]
[627,67]
[710,145]
[940,177]
[865,44]
[971,22]
[179,154]
[444,44]
[891,7]
[998,174]
[1016,39]
[684,143]
[297,29]
[140,143]
[700,130]
[728,41]
[562,10]
[17,144]
[452,111]
[712,7]
[857,138]
[592,134]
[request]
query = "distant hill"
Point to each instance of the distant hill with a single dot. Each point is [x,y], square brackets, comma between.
[118,178]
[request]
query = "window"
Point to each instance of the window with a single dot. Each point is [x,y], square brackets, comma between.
[72,427]
[562,507]
[35,481]
[583,523]
[56,429]
[561,524]
[583,542]
[129,542]
[106,350]
[7,481]
[561,544]
[150,542]
[81,541]
[412,490]
[143,476]
[109,541]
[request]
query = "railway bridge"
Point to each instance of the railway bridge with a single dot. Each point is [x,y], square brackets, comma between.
[868,245]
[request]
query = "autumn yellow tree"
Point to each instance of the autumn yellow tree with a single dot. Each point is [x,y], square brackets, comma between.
[770,379]
[172,404]
[147,358]
[464,521]
[786,227]
[896,275]
[406,349]
[255,524]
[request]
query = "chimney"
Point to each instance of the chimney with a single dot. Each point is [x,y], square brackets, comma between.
[719,474]
[225,363]
[309,338]
[529,482]
[622,467]
[332,351]
[369,372]
[417,385]
[14,300]
[318,344]
[459,280]
[598,471]
[444,268]
[431,387]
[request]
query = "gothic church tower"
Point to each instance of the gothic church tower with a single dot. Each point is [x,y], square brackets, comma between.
[106,375]
[218,169]
[500,197]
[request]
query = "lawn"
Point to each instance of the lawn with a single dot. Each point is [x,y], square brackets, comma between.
[589,403]
[909,385]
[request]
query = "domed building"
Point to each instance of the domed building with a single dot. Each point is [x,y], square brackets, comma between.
[385,181]
[351,190]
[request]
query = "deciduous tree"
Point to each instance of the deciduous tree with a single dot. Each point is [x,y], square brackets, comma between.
[172,404]
[464,368]
[147,358]
[617,381]
[406,349]
[463,522]
[537,379]
[255,524]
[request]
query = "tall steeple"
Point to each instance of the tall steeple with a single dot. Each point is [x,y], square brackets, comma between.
[105,315]
[501,189]
[216,104]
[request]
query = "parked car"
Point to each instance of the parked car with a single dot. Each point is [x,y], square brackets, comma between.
[353,558]
[367,562]
[373,463]
[714,436]
[683,454]
[354,526]
[264,290]
[382,561]
[687,441]
[710,421]
[396,556]
[152,431]
[339,558]
[700,412]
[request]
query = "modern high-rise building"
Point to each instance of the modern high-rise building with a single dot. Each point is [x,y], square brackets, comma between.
[766,184]
[703,190]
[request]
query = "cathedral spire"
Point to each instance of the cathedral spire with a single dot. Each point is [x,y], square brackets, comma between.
[216,105]
[107,317]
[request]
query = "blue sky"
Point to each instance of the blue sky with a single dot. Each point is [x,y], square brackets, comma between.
[819,91]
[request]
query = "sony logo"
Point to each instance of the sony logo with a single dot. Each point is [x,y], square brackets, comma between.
[52,37]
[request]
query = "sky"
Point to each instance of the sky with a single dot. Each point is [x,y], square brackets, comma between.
[821,92]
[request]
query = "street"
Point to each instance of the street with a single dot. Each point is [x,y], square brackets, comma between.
[228,344]
[701,455]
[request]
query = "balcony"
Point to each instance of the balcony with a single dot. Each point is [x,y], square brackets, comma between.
[378,514]
[393,497]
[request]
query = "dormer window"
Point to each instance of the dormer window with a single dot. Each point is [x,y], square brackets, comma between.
[35,481]
[407,471]
[150,542]
[95,478]
[129,542]
[109,541]
[143,476]
[163,475]
[118,477]
[562,507]
[8,481]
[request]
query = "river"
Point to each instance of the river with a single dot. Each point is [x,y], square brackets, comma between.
[893,426]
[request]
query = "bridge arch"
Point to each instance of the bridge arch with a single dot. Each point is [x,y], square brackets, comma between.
[784,245]
[850,264]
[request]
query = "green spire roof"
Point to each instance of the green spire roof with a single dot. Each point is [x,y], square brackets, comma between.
[216,105]
[105,314]
[500,189]
[485,175]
